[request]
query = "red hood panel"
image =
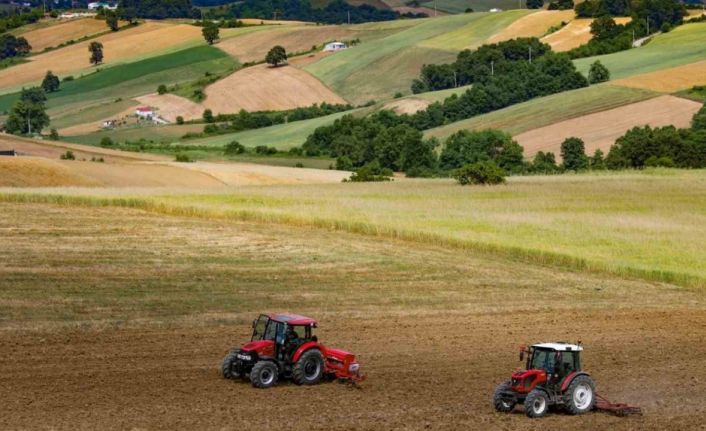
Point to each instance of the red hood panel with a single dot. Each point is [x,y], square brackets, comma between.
[258,346]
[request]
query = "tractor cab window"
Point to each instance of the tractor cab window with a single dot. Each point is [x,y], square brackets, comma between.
[259,328]
[568,363]
[543,360]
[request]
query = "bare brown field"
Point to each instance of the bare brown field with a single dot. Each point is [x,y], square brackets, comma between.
[129,321]
[533,25]
[261,88]
[57,34]
[668,80]
[574,34]
[254,46]
[39,172]
[408,105]
[170,106]
[145,39]
[601,129]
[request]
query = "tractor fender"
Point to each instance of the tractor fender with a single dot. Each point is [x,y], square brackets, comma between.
[568,379]
[303,348]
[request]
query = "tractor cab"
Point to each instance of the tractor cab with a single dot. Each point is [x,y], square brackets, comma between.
[281,334]
[553,360]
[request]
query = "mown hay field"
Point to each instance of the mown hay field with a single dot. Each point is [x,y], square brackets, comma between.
[265,88]
[669,80]
[55,35]
[574,34]
[110,298]
[533,25]
[548,110]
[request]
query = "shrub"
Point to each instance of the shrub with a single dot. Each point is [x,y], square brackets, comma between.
[180,119]
[299,165]
[162,89]
[69,155]
[398,95]
[265,150]
[184,158]
[54,135]
[664,161]
[372,172]
[233,148]
[208,116]
[106,142]
[485,172]
[68,78]
[598,73]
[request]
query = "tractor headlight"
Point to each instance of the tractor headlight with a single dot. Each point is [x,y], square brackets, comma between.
[244,357]
[353,368]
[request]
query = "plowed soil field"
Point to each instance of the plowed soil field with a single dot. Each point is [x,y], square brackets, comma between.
[601,129]
[118,319]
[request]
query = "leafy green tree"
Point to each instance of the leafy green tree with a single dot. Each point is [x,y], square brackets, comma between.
[597,162]
[468,147]
[535,4]
[545,163]
[598,73]
[698,122]
[53,134]
[573,153]
[179,119]
[210,32]
[276,56]
[233,148]
[604,27]
[96,50]
[485,172]
[111,19]
[28,115]
[51,82]
[162,89]
[208,116]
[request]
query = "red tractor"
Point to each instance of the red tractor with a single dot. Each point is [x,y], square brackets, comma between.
[552,377]
[284,345]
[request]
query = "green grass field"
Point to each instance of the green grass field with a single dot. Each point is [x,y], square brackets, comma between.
[544,111]
[683,45]
[123,81]
[378,69]
[649,224]
[476,32]
[459,6]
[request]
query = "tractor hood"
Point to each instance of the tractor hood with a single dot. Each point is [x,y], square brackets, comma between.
[523,381]
[262,347]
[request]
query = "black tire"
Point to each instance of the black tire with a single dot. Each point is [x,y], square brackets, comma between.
[536,403]
[502,404]
[227,367]
[264,374]
[580,396]
[309,369]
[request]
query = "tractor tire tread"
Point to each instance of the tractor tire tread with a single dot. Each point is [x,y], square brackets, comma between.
[298,372]
[569,399]
[257,369]
[226,366]
[529,411]
[498,402]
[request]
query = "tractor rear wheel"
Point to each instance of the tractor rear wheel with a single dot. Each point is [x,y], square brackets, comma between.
[579,397]
[264,374]
[228,366]
[536,403]
[500,402]
[309,369]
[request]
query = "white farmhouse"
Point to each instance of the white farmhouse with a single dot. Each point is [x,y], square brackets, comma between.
[335,46]
[98,5]
[144,112]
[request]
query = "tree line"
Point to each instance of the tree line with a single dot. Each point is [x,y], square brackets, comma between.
[11,18]
[336,12]
[157,9]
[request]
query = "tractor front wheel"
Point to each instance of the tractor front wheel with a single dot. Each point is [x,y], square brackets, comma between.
[228,366]
[500,401]
[264,374]
[536,403]
[579,397]
[309,369]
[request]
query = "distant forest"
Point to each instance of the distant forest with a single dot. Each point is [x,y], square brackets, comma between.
[159,9]
[336,12]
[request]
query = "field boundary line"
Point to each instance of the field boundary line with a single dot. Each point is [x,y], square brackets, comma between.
[525,255]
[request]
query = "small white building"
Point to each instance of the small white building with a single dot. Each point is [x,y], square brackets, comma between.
[144,112]
[100,4]
[335,46]
[495,9]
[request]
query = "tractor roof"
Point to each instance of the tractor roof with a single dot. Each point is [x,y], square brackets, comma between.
[292,319]
[561,347]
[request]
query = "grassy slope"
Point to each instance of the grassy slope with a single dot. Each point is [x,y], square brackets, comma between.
[74,103]
[606,222]
[459,6]
[548,110]
[475,33]
[683,45]
[383,67]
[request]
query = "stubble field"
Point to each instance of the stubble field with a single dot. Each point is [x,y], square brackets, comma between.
[118,325]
